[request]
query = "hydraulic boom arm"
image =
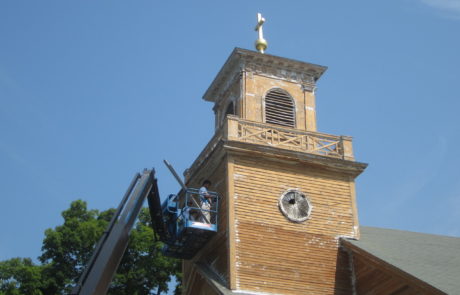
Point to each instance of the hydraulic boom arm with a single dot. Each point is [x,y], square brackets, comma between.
[109,250]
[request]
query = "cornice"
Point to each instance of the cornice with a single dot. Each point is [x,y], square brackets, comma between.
[218,146]
[351,168]
[242,60]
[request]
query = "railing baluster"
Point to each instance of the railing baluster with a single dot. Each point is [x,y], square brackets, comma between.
[300,140]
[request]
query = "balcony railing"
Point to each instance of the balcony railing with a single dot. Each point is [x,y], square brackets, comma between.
[236,129]
[288,138]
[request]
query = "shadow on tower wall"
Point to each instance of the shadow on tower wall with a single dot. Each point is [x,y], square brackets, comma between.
[343,274]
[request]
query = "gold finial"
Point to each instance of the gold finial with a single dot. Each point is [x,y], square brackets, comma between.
[261,43]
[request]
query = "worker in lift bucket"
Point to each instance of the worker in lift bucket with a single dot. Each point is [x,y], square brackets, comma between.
[206,200]
[190,213]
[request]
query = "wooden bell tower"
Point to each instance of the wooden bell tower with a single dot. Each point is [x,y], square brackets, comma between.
[288,191]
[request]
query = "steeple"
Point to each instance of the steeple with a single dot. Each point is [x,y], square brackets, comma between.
[287,191]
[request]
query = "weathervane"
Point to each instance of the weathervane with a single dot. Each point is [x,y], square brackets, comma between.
[261,43]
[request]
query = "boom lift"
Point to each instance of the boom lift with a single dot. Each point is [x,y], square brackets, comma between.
[179,222]
[188,227]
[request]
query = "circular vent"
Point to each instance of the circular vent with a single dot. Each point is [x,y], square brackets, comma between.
[295,205]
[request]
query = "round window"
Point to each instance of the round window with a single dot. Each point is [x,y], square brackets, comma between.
[295,205]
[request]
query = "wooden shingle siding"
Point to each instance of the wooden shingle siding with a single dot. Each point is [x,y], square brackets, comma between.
[276,255]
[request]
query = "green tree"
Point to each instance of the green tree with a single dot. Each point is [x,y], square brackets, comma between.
[68,247]
[20,276]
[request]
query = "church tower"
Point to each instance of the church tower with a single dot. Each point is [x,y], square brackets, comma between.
[287,191]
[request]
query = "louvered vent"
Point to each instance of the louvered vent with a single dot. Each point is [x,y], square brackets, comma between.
[279,108]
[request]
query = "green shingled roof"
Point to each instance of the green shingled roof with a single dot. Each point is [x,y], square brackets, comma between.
[430,258]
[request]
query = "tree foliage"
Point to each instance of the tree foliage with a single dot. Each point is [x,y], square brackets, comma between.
[68,247]
[21,276]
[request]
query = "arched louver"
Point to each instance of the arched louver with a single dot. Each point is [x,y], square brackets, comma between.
[279,108]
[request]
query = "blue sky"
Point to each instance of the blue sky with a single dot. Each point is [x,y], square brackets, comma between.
[93,91]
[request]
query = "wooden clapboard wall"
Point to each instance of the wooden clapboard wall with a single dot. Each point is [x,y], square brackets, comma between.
[273,254]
